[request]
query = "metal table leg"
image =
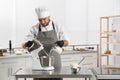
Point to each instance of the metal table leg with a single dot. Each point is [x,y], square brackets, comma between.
[16,78]
[88,78]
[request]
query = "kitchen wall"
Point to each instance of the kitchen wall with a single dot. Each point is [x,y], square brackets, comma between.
[76,21]
[7,22]
[80,18]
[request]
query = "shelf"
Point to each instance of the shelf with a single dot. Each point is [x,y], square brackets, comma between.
[111,54]
[105,54]
[110,16]
[110,32]
[111,43]
[114,43]
[103,37]
[106,38]
[111,67]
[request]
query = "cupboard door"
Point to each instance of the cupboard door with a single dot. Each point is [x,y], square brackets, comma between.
[8,66]
[28,62]
[89,61]
[5,69]
[20,63]
[4,73]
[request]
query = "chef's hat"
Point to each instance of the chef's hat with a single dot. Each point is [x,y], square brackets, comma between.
[42,12]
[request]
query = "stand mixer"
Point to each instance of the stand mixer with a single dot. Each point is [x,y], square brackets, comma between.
[48,60]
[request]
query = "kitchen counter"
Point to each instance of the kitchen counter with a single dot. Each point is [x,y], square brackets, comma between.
[65,72]
[69,57]
[106,74]
[78,52]
[12,55]
[6,55]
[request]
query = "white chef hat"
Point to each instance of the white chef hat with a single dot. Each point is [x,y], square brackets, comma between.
[42,12]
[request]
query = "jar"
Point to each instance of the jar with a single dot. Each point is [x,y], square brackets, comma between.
[1,52]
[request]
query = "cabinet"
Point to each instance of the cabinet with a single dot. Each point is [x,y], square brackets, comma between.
[69,57]
[10,64]
[75,53]
[107,41]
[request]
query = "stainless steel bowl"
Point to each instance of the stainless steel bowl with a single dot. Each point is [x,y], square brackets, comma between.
[47,61]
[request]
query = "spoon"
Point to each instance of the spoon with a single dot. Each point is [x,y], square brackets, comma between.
[81,60]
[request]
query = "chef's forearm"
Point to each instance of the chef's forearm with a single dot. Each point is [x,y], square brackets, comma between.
[66,42]
[23,45]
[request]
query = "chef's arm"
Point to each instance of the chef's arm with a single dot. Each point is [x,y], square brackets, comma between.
[62,43]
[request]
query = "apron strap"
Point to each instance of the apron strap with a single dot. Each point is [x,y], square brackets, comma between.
[52,25]
[39,28]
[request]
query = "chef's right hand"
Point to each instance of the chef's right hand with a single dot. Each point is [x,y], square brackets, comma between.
[29,43]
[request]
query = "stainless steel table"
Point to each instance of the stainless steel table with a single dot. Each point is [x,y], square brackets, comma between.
[106,74]
[65,72]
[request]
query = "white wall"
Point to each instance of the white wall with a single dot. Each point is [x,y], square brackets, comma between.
[80,18]
[76,20]
[6,22]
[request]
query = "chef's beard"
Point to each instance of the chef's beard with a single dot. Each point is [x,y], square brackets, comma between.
[46,24]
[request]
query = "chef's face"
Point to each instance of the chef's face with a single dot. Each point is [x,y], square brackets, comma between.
[44,21]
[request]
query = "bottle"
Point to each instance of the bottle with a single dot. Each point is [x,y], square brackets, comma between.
[113,29]
[108,52]
[10,46]
[73,47]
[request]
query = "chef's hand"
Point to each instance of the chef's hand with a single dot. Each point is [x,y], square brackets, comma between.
[60,43]
[29,43]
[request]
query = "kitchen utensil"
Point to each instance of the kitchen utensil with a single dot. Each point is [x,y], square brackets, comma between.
[36,44]
[81,60]
[75,67]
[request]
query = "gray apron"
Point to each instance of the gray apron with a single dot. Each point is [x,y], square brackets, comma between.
[48,39]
